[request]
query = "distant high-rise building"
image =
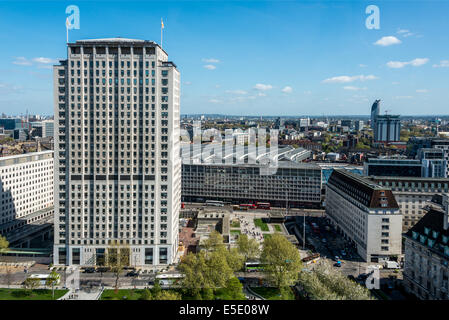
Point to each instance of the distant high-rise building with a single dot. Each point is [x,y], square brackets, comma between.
[387,128]
[375,109]
[117,163]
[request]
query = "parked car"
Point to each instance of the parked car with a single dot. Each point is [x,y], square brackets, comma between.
[337,264]
[89,270]
[132,273]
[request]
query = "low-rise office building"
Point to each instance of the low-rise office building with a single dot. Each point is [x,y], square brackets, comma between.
[299,183]
[26,190]
[366,213]
[392,167]
[426,261]
[206,175]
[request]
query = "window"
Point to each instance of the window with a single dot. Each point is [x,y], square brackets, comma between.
[148,255]
[163,256]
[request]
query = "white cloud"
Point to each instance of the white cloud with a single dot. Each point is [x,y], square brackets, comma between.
[403,97]
[215,101]
[240,92]
[422,90]
[419,62]
[307,92]
[261,94]
[387,41]
[395,82]
[211,60]
[405,33]
[352,88]
[346,79]
[210,67]
[22,61]
[287,89]
[44,60]
[264,87]
[442,64]
[400,64]
[187,83]
[362,65]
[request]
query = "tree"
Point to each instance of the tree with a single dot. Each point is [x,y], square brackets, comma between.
[117,258]
[8,276]
[233,290]
[234,259]
[31,284]
[146,295]
[324,283]
[156,288]
[214,242]
[51,281]
[4,244]
[249,248]
[281,260]
[168,295]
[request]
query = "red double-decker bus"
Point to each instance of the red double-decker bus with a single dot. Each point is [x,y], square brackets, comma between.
[263,205]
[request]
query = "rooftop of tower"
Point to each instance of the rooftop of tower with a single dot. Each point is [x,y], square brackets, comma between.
[115,41]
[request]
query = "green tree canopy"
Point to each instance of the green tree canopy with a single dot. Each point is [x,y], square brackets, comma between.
[4,244]
[324,283]
[282,260]
[249,248]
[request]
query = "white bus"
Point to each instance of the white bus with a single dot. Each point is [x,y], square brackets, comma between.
[168,280]
[214,203]
[43,278]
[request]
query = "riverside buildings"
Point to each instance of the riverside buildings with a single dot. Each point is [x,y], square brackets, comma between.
[118,170]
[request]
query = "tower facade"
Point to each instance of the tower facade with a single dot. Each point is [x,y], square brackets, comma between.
[117,164]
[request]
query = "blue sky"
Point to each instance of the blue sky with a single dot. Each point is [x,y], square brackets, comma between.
[248,57]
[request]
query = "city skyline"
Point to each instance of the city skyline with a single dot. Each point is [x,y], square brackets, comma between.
[403,63]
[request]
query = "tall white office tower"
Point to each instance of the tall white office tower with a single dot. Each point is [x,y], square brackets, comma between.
[117,163]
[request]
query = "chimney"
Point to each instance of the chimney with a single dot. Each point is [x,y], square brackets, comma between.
[446,211]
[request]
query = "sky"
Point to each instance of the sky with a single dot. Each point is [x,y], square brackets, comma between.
[287,58]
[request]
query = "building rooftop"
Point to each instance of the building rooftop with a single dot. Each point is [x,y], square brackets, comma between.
[367,192]
[430,232]
[405,179]
[25,157]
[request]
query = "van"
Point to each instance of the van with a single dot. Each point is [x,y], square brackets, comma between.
[391,265]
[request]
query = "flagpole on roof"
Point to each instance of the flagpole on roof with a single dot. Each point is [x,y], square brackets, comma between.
[162,27]
[67,23]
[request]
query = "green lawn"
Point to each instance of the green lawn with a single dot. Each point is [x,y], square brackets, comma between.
[266,236]
[271,293]
[22,294]
[235,224]
[262,225]
[130,294]
[236,232]
[277,228]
